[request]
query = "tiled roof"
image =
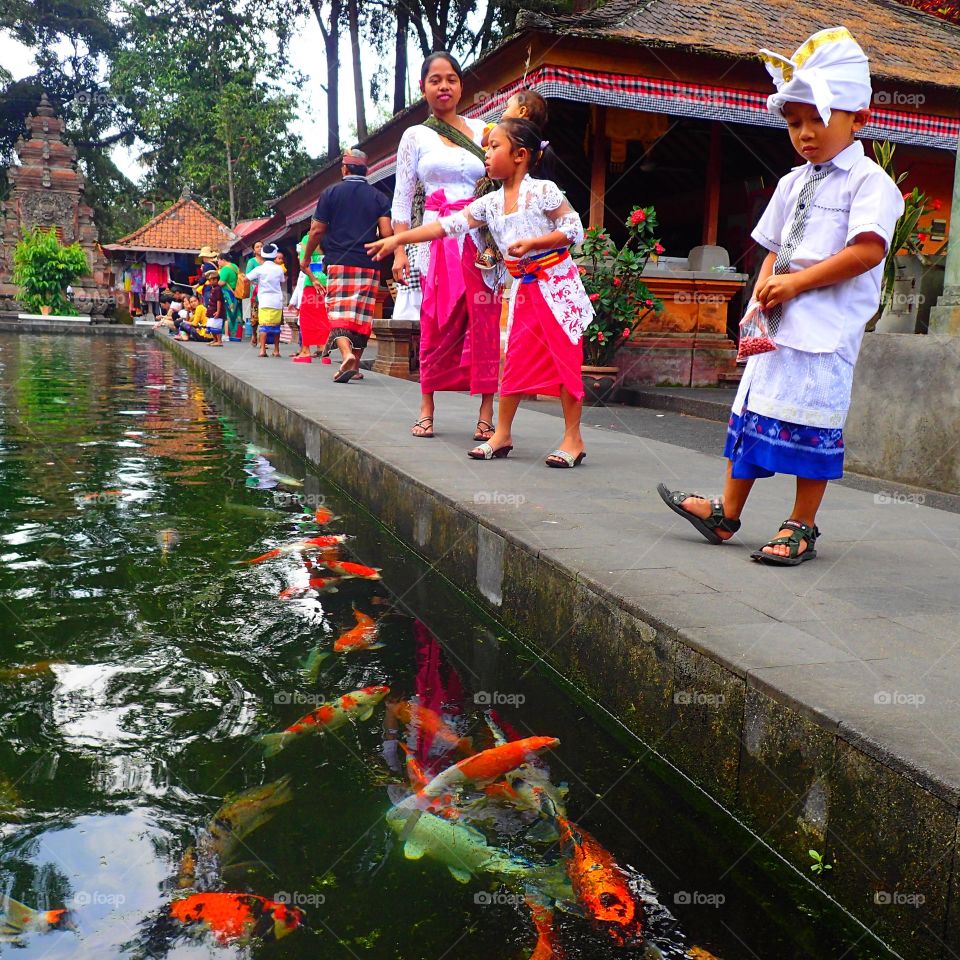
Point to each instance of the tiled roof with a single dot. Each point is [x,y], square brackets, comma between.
[902,43]
[185,227]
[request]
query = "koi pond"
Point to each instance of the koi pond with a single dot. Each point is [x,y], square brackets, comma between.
[241,719]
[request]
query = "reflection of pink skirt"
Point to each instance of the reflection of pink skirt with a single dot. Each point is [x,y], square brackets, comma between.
[314,324]
[540,357]
[459,328]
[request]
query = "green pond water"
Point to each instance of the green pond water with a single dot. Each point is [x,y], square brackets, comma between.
[141,660]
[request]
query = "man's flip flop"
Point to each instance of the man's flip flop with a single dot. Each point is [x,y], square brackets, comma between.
[344,376]
[706,527]
[569,461]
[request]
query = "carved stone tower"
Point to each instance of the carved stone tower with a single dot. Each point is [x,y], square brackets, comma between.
[46,190]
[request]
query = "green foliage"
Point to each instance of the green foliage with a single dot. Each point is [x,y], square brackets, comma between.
[612,278]
[208,93]
[44,268]
[818,866]
[905,236]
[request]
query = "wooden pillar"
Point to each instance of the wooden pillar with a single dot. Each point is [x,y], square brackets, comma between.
[711,201]
[598,167]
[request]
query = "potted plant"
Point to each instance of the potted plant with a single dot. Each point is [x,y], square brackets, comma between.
[43,268]
[621,301]
[896,284]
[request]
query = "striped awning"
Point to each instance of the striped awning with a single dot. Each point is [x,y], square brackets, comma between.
[703,101]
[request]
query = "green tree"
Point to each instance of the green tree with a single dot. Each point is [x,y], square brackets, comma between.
[203,91]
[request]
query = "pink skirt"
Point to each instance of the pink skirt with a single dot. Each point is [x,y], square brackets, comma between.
[540,357]
[314,323]
[459,324]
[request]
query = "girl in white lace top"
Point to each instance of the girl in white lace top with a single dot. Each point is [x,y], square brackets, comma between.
[534,226]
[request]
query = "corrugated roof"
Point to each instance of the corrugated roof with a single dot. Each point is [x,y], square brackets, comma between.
[185,226]
[902,43]
[245,227]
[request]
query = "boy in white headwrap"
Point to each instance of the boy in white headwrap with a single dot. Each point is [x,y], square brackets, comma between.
[827,227]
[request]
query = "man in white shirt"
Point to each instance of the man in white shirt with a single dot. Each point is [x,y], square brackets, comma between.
[268,277]
[828,228]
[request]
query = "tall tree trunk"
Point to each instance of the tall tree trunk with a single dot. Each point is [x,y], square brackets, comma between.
[230,194]
[331,44]
[357,71]
[400,60]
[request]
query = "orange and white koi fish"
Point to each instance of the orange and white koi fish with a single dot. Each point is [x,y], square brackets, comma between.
[300,546]
[17,919]
[363,636]
[600,885]
[485,767]
[315,585]
[236,918]
[351,707]
[430,726]
[345,569]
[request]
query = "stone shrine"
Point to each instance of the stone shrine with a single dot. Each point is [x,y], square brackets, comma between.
[46,190]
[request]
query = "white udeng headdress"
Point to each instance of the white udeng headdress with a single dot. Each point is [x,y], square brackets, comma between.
[829,70]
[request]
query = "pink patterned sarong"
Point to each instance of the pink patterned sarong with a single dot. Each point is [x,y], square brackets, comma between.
[459,316]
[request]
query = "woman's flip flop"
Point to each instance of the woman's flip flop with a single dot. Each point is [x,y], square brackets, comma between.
[568,460]
[482,428]
[425,423]
[486,452]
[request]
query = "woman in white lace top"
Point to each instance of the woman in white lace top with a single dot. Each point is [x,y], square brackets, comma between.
[534,227]
[460,314]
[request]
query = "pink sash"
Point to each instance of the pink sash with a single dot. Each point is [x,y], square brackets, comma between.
[444,286]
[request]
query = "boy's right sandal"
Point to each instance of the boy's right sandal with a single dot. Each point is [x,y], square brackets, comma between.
[706,526]
[800,533]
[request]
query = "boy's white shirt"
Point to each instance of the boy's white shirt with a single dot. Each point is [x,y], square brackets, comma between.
[856,197]
[269,280]
[810,381]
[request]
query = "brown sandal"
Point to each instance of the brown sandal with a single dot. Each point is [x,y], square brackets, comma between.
[485,429]
[422,424]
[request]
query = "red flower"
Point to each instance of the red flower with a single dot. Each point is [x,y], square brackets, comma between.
[936,205]
[601,337]
[648,303]
[638,216]
[626,331]
[659,248]
[907,196]
[594,297]
[582,271]
[923,237]
[617,281]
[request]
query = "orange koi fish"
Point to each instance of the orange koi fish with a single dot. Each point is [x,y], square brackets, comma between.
[548,946]
[598,882]
[323,515]
[88,497]
[237,917]
[485,767]
[361,637]
[357,705]
[299,546]
[17,918]
[317,584]
[358,570]
[28,670]
[698,953]
[430,725]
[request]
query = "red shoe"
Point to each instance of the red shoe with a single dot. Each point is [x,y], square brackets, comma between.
[302,359]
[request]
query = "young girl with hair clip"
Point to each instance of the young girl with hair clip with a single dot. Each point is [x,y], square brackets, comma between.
[534,227]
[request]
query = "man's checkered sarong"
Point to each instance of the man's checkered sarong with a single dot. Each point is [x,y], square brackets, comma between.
[351,298]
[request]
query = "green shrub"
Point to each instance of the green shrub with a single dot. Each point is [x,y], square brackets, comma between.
[43,268]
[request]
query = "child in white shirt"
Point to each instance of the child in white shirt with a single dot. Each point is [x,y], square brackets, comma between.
[827,227]
[269,278]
